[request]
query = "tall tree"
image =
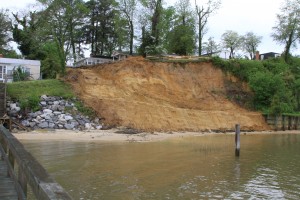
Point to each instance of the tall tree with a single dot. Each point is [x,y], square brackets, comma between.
[5,25]
[232,41]
[128,8]
[150,20]
[101,30]
[27,34]
[203,13]
[250,43]
[287,28]
[182,36]
[63,19]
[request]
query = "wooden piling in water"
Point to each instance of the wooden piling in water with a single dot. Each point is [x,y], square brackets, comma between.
[237,140]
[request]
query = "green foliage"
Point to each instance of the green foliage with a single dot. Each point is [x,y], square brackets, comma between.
[84,109]
[50,66]
[26,32]
[4,30]
[182,40]
[20,75]
[31,103]
[29,93]
[25,90]
[275,83]
[276,65]
[181,37]
[245,69]
[265,85]
[294,64]
[282,102]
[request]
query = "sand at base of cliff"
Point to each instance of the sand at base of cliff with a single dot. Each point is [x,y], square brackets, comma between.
[116,135]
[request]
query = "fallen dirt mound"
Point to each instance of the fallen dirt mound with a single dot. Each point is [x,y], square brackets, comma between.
[161,96]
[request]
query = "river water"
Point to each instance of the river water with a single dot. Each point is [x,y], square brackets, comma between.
[184,168]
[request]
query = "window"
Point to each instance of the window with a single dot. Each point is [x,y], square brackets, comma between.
[2,71]
[27,70]
[9,72]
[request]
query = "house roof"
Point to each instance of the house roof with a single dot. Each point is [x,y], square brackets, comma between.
[19,61]
[269,53]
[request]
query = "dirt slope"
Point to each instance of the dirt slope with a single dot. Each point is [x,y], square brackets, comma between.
[161,96]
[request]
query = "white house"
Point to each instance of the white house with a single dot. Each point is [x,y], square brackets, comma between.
[95,60]
[8,65]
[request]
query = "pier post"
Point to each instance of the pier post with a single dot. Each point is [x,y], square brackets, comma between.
[237,140]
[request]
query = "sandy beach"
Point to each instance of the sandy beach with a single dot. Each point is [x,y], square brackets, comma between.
[115,135]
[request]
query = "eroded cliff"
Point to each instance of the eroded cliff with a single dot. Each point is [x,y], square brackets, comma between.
[159,96]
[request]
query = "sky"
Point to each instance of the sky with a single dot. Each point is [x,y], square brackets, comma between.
[258,16]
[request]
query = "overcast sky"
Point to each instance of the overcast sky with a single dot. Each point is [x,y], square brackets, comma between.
[258,16]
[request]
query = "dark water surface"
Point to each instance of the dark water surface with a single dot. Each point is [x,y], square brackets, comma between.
[184,168]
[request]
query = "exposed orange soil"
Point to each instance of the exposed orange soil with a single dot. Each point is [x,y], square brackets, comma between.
[161,96]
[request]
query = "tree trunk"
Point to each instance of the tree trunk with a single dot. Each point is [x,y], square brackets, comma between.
[155,22]
[131,37]
[200,36]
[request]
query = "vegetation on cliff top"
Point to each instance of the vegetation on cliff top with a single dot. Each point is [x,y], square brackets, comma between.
[275,83]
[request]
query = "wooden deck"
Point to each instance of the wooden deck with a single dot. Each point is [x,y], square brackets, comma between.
[7,187]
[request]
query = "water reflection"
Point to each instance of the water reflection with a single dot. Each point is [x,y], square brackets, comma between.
[185,168]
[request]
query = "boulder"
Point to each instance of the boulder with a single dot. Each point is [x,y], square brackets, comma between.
[69,126]
[47,111]
[68,117]
[43,103]
[44,125]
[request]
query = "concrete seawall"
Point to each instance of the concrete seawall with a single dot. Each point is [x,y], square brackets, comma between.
[283,122]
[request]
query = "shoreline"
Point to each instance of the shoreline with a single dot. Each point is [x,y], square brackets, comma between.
[112,135]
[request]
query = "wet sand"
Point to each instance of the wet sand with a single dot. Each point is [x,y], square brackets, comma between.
[114,135]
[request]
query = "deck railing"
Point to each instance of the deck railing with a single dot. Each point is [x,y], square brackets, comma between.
[26,170]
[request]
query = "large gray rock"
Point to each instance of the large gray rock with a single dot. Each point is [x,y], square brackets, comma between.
[13,106]
[68,117]
[43,103]
[47,111]
[69,126]
[32,124]
[88,126]
[44,125]
[51,125]
[57,113]
[25,122]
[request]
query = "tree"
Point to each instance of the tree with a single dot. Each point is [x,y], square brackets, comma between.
[211,46]
[50,66]
[232,41]
[150,19]
[27,34]
[62,23]
[287,28]
[5,25]
[182,36]
[203,13]
[128,7]
[101,27]
[250,43]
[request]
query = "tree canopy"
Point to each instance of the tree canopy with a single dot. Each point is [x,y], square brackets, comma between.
[287,28]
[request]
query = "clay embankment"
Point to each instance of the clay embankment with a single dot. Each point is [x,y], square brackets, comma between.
[161,96]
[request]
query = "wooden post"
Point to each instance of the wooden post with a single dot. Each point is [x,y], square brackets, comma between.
[237,140]
[283,122]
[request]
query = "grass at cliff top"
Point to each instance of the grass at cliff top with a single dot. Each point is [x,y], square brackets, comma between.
[26,89]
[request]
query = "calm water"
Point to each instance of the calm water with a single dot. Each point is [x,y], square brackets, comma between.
[185,168]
